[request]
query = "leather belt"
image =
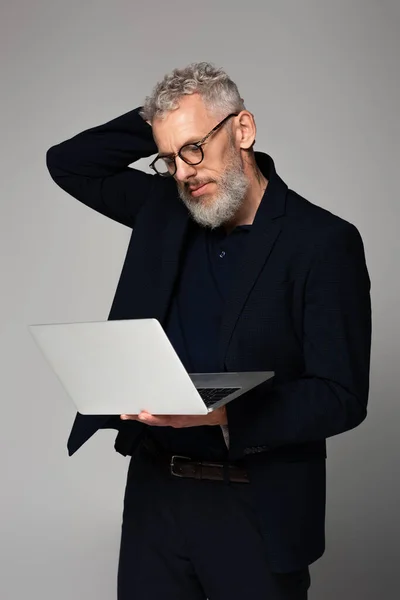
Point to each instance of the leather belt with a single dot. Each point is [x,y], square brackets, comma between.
[183,466]
[186,467]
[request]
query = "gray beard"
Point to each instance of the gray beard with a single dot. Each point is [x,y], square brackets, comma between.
[232,187]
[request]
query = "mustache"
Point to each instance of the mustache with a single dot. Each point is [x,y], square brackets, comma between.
[196,183]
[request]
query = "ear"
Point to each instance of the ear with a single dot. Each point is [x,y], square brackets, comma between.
[245,130]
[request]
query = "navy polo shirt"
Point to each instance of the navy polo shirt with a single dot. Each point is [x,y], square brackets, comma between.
[193,324]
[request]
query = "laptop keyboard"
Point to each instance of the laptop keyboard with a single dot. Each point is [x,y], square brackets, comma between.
[212,395]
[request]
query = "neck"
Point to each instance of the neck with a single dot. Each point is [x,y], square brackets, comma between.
[257,186]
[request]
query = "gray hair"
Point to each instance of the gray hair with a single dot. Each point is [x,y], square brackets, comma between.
[219,93]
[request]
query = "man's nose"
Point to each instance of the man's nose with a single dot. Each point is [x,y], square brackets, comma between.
[183,170]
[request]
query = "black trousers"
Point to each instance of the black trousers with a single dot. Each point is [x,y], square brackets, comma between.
[185,539]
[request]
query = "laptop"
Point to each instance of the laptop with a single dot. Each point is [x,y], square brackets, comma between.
[126,366]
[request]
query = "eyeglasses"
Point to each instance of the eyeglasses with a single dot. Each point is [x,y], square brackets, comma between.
[191,154]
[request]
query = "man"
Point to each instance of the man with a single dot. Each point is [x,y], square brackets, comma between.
[244,274]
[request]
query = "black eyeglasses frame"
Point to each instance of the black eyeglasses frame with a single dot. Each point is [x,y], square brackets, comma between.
[198,144]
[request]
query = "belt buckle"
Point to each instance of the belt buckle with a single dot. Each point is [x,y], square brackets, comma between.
[172,464]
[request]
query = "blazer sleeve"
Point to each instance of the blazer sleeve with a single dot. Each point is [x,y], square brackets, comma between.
[93,166]
[331,395]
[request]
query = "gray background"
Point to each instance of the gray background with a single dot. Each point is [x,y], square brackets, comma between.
[322,80]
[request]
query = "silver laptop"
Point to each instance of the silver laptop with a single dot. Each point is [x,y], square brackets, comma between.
[126,366]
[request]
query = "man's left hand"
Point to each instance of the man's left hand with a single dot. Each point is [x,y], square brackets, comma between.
[216,417]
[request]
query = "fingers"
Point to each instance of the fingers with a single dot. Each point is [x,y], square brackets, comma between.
[176,421]
[160,421]
[146,418]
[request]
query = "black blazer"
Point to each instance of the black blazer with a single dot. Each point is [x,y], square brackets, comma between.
[299,306]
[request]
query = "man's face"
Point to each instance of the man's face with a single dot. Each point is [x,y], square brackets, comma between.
[213,190]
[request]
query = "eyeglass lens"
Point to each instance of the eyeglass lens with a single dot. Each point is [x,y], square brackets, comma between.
[191,154]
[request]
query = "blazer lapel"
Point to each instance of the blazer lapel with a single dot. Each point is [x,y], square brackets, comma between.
[263,236]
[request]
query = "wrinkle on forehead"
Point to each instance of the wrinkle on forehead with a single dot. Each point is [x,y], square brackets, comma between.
[188,123]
